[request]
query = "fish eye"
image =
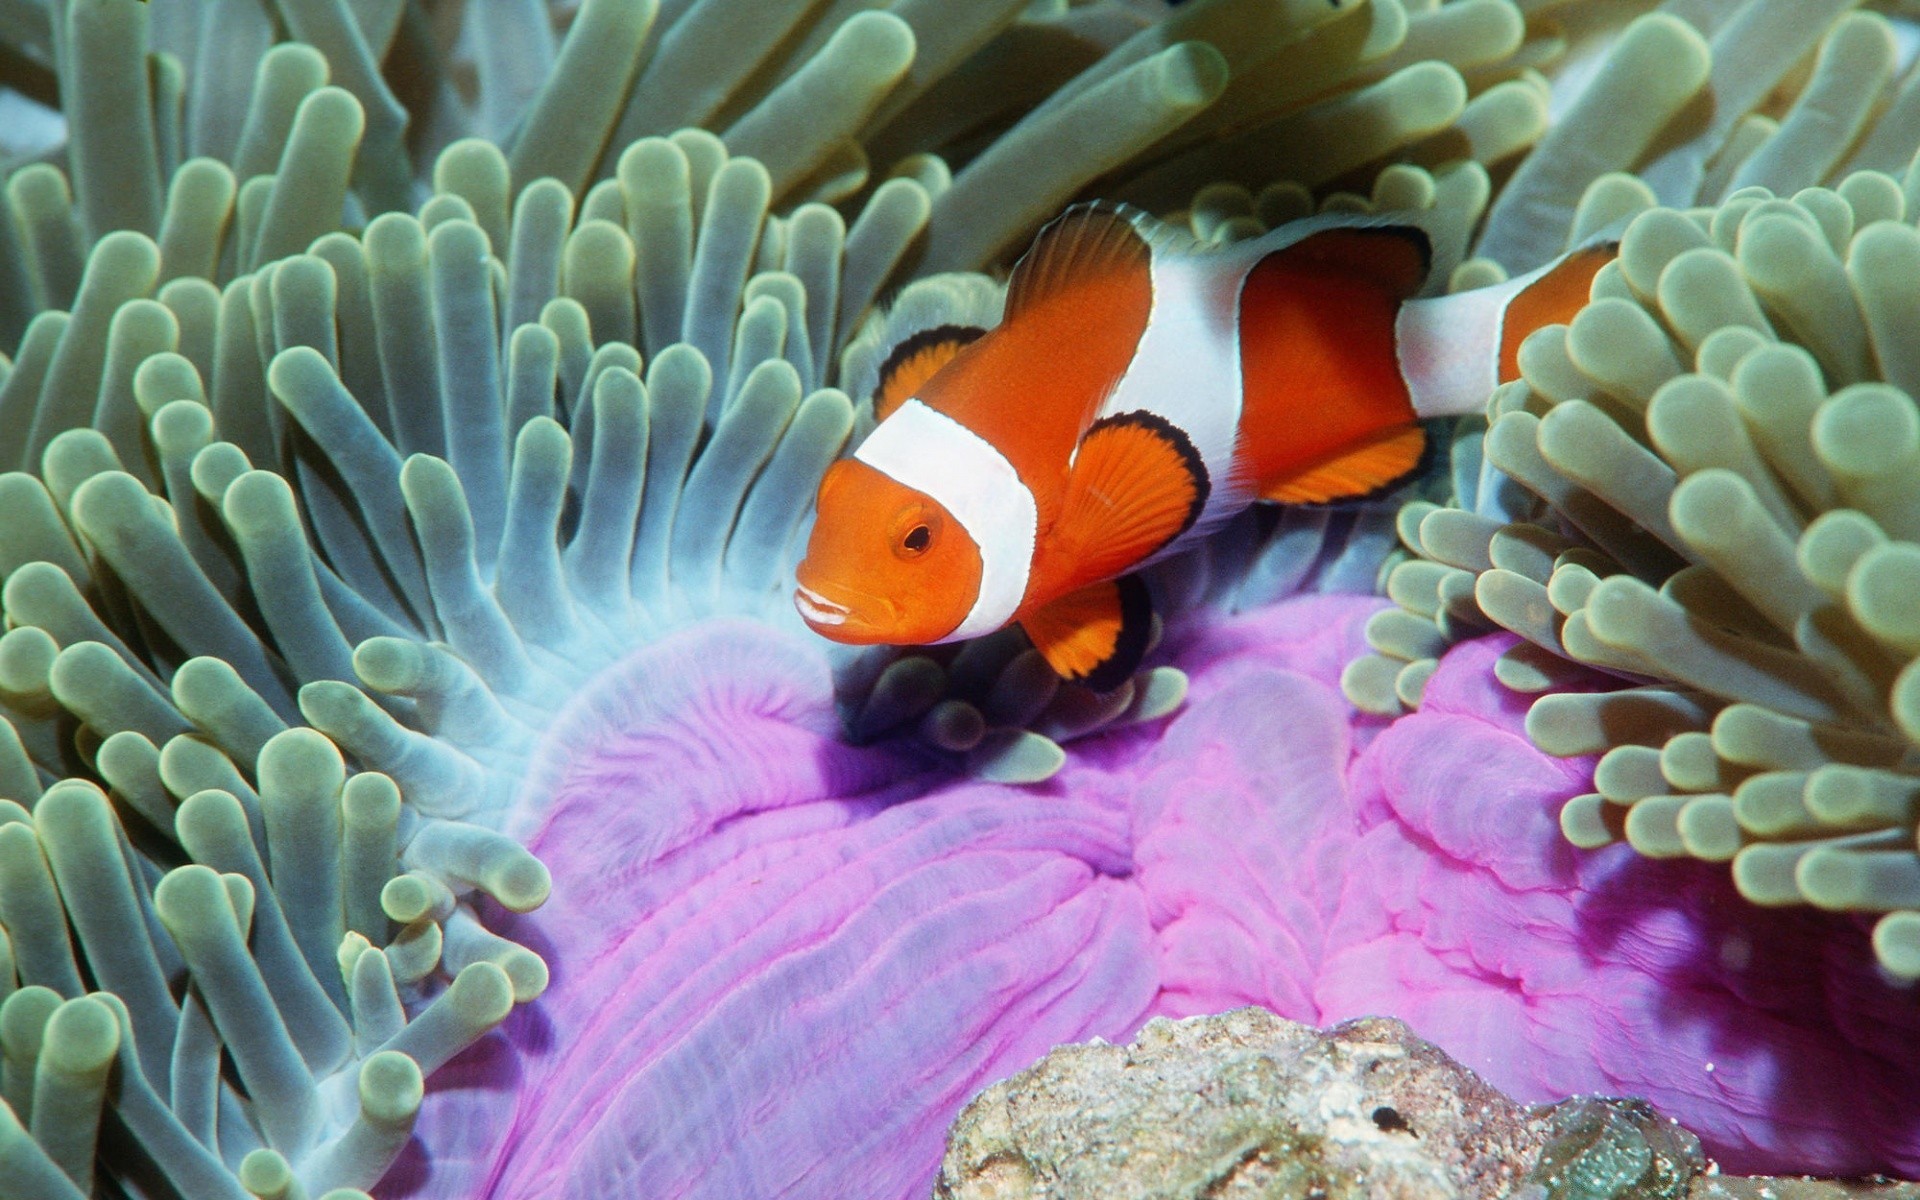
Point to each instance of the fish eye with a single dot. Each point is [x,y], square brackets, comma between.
[913,531]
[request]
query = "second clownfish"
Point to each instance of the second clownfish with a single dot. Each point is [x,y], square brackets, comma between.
[1139,392]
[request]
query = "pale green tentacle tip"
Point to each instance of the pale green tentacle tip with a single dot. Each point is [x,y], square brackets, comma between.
[181,428]
[467,162]
[301,762]
[23,1021]
[163,378]
[1588,823]
[878,46]
[39,188]
[413,896]
[1710,828]
[391,1087]
[1368,682]
[521,883]
[370,799]
[27,655]
[215,468]
[258,503]
[348,953]
[482,994]
[527,971]
[337,111]
[394,665]
[207,684]
[1015,756]
[1865,430]
[198,904]
[82,1037]
[300,371]
[1896,941]
[267,1174]
[1883,591]
[1157,693]
[128,255]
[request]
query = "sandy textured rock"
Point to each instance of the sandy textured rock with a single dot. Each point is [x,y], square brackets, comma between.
[1244,1105]
[1250,1106]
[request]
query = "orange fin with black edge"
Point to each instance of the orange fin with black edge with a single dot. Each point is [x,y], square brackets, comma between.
[915,360]
[1357,470]
[1095,636]
[1087,243]
[1137,484]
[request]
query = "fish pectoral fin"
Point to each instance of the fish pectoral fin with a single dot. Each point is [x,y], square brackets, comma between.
[1355,471]
[1137,484]
[1097,635]
[915,360]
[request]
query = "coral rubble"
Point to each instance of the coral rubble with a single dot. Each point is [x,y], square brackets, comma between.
[1248,1104]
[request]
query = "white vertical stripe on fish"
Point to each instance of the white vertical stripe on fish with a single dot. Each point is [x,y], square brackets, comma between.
[1449,346]
[1186,368]
[964,473]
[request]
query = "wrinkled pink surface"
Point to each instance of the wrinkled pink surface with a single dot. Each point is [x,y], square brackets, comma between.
[782,965]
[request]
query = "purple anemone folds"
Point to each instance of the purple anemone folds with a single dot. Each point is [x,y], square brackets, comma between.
[1554,971]
[782,964]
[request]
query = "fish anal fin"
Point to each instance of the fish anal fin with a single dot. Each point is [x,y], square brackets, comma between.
[1087,244]
[1137,484]
[915,360]
[1395,257]
[1357,470]
[1552,299]
[1097,635]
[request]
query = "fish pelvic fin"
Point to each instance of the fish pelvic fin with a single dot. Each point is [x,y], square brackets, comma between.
[1095,636]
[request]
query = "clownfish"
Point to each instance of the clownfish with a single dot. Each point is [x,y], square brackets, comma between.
[1140,391]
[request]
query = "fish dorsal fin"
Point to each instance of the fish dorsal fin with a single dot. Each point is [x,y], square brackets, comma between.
[1085,244]
[1396,257]
[1137,483]
[915,360]
[1355,470]
[1095,636]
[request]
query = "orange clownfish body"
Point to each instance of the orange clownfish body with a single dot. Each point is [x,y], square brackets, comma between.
[1137,394]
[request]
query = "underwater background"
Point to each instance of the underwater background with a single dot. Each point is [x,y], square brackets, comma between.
[417,781]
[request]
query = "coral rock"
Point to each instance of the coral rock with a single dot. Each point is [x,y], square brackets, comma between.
[1247,1104]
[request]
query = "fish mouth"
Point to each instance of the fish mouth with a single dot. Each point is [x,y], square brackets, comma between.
[817,610]
[851,624]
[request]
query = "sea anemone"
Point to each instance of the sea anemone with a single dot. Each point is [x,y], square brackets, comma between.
[384,553]
[1701,487]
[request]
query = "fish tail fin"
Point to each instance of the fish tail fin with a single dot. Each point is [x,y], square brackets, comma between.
[1455,349]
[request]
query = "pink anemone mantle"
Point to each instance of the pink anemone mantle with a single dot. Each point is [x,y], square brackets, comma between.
[781,965]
